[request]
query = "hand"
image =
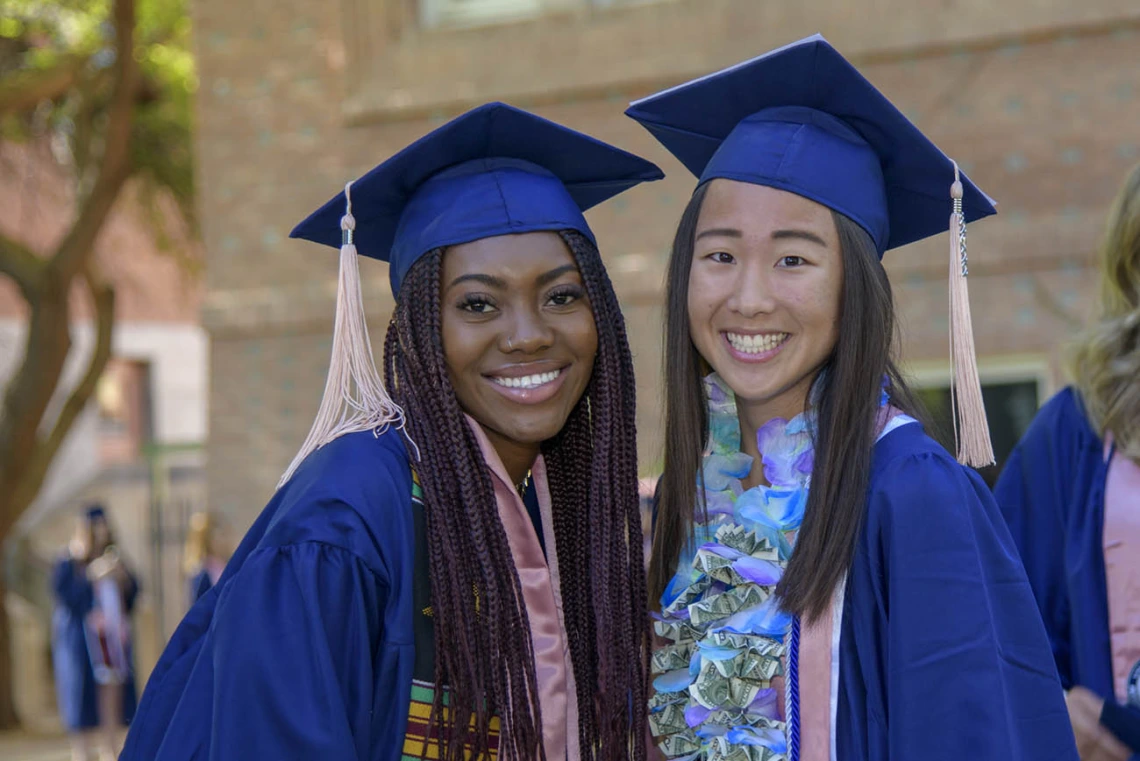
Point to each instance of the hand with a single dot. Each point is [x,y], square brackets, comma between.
[1094,741]
[107,564]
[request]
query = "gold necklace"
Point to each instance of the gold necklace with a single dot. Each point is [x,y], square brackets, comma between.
[521,487]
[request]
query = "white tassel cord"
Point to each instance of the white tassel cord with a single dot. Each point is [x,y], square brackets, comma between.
[971,431]
[354,398]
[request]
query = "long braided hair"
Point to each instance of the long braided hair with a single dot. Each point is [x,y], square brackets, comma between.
[483,648]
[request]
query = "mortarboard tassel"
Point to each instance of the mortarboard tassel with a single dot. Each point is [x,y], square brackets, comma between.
[355,398]
[972,433]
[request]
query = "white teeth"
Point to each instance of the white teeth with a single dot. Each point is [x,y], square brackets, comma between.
[527,381]
[756,344]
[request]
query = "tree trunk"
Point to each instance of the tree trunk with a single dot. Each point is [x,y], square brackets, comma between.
[25,451]
[8,717]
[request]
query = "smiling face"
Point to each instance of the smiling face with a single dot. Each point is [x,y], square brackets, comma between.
[764,292]
[519,337]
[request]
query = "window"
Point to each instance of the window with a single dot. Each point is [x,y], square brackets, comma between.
[1013,388]
[1010,407]
[453,13]
[122,398]
[434,13]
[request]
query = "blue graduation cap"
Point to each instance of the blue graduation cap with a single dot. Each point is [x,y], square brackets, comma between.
[495,170]
[803,119]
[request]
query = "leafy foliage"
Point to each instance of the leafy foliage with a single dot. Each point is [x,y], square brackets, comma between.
[70,43]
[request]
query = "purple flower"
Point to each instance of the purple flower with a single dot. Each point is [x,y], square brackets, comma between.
[764,704]
[761,572]
[696,714]
[783,453]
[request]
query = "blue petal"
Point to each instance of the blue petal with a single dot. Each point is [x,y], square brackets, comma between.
[676,586]
[762,572]
[720,470]
[673,681]
[782,509]
[696,714]
[764,704]
[709,731]
[715,653]
[719,503]
[770,738]
[766,619]
[721,550]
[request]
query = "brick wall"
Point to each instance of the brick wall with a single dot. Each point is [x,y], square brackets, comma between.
[1036,100]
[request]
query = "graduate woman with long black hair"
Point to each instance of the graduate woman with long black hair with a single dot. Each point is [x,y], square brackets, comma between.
[832,583]
[1071,495]
[454,571]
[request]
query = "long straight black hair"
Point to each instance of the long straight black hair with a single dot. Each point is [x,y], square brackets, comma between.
[847,392]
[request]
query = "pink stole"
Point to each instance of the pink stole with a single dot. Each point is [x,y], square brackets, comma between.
[540,587]
[819,659]
[1122,564]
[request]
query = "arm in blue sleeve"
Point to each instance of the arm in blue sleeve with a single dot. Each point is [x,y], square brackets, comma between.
[71,587]
[296,635]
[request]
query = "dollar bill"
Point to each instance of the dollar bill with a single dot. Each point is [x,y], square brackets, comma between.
[672,657]
[723,605]
[669,720]
[680,744]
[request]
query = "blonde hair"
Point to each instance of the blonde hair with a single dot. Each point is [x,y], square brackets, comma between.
[1106,362]
[199,542]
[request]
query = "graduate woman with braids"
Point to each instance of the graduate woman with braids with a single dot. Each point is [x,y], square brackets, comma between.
[833,585]
[455,570]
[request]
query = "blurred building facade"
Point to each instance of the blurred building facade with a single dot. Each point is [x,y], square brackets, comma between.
[1036,99]
[138,447]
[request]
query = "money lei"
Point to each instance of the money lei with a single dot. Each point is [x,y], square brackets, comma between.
[714,698]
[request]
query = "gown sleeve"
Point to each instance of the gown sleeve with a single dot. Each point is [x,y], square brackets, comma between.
[969,673]
[71,587]
[1044,473]
[293,663]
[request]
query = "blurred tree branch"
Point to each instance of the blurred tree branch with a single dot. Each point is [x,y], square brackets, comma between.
[22,265]
[103,297]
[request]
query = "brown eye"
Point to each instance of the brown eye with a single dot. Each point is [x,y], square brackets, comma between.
[791,261]
[476,304]
[721,257]
[565,296]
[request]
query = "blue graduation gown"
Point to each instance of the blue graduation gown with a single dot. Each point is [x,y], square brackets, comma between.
[1051,493]
[943,655]
[74,677]
[304,649]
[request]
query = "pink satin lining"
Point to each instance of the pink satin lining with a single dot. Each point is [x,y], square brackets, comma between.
[540,588]
[1122,565]
[815,688]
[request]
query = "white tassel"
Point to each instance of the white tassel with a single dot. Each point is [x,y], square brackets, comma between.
[971,431]
[355,398]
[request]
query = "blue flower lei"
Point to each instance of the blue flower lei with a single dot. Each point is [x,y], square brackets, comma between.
[713,695]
